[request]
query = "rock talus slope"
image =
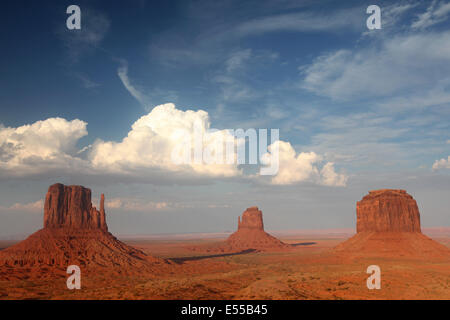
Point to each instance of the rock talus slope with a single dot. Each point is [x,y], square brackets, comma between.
[75,232]
[388,225]
[251,234]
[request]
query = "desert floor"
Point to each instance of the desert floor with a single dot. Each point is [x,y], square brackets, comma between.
[308,271]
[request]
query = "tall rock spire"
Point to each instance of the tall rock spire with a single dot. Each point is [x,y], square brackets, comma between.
[102,213]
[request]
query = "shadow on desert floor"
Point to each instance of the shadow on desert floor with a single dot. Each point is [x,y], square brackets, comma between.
[303,244]
[184,259]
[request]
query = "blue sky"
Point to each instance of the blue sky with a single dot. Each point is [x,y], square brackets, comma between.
[357,109]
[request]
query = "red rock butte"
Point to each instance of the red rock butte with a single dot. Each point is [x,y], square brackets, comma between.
[251,234]
[71,207]
[74,232]
[387,210]
[388,225]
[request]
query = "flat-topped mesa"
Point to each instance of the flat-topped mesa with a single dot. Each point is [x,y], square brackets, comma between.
[251,219]
[71,207]
[387,210]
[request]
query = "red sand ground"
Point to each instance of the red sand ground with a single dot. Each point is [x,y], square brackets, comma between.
[312,269]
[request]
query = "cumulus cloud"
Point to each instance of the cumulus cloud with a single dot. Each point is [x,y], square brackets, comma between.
[303,167]
[156,136]
[442,164]
[166,145]
[436,13]
[330,177]
[43,145]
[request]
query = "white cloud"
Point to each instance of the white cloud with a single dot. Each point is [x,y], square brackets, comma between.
[122,72]
[148,99]
[153,138]
[143,205]
[392,18]
[161,146]
[236,59]
[136,205]
[331,178]
[442,164]
[422,99]
[303,22]
[36,206]
[363,140]
[303,167]
[43,145]
[435,13]
[398,63]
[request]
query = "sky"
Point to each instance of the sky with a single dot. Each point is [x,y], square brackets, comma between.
[105,106]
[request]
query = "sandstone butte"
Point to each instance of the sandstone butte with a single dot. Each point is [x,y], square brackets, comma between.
[71,207]
[388,224]
[251,235]
[74,232]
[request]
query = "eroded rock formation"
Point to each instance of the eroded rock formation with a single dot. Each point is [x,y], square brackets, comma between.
[251,219]
[387,210]
[388,225]
[251,234]
[74,232]
[71,207]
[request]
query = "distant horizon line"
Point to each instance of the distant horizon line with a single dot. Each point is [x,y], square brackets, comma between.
[218,234]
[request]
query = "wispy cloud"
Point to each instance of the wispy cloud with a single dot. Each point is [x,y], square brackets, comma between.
[122,72]
[86,81]
[146,98]
[95,26]
[336,21]
[237,58]
[36,206]
[436,13]
[136,205]
[399,63]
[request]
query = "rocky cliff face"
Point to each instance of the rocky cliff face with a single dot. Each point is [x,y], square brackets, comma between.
[388,225]
[387,210]
[71,207]
[251,219]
